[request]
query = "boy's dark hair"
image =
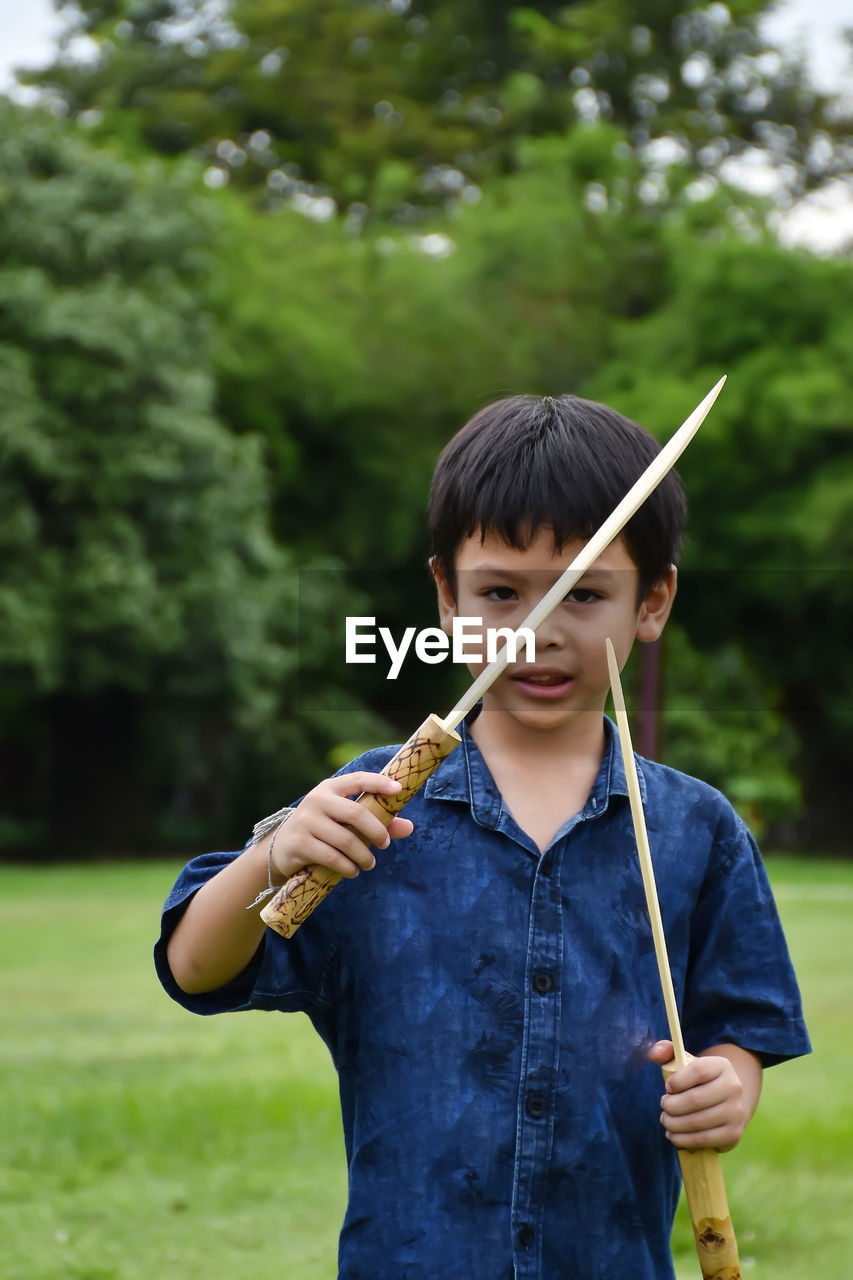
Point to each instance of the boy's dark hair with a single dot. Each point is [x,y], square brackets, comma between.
[528,461]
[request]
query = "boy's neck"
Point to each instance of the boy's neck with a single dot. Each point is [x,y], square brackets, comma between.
[575,743]
[543,776]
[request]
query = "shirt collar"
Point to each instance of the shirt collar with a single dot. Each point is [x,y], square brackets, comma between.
[612,771]
[464,777]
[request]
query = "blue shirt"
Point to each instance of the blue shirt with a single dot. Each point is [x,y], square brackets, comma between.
[489,1011]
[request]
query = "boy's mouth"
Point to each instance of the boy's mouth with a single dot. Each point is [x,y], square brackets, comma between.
[544,682]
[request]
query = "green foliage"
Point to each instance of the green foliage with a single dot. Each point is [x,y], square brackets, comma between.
[203,391]
[358,355]
[770,476]
[719,723]
[543,292]
[134,542]
[701,78]
[147,615]
[427,99]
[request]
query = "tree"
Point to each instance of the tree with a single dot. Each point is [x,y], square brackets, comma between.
[357,357]
[770,476]
[141,592]
[583,241]
[396,107]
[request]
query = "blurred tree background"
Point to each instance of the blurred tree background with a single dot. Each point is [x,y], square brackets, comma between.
[260,259]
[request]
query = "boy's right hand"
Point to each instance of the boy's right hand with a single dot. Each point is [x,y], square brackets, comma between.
[327,825]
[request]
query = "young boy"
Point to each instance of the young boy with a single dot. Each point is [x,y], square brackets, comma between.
[487,984]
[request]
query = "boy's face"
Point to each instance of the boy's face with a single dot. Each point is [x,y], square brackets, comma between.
[569,678]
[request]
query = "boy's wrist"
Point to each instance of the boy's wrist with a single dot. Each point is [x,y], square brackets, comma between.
[263,841]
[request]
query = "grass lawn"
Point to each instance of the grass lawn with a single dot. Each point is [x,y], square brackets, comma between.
[140,1143]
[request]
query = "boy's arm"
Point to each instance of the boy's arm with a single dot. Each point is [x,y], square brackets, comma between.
[710,1101]
[217,937]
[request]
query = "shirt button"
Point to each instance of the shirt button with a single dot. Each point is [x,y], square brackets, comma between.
[526,1235]
[543,982]
[536,1105]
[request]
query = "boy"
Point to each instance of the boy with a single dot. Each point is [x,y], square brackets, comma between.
[488,991]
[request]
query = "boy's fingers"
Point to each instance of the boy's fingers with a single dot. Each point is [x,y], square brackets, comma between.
[365,824]
[331,829]
[661,1052]
[352,784]
[697,1071]
[328,855]
[699,1098]
[345,843]
[345,835]
[350,816]
[343,849]
[324,838]
[715,1117]
[715,1127]
[720,1139]
[398,827]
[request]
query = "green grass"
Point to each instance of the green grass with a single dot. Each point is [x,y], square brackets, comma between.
[139,1143]
[790,1181]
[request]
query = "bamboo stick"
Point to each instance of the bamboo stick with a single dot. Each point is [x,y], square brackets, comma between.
[701,1173]
[705,1192]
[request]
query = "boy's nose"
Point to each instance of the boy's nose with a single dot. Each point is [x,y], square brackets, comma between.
[550,635]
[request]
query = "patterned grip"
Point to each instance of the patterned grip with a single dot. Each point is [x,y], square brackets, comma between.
[416,760]
[705,1193]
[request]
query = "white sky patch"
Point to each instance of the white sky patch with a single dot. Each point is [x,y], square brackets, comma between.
[434,245]
[318,208]
[753,171]
[28,33]
[665,151]
[214,177]
[823,221]
[816,27]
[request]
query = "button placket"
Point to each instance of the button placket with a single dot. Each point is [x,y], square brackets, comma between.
[540,1062]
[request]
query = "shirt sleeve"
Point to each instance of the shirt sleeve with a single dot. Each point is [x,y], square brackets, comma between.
[740,983]
[291,974]
[288,974]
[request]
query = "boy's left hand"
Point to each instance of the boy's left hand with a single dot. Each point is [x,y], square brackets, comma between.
[707,1102]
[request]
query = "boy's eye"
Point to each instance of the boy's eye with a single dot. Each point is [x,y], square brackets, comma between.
[582,595]
[500,593]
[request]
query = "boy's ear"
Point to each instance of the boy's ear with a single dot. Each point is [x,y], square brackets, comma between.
[656,607]
[446,601]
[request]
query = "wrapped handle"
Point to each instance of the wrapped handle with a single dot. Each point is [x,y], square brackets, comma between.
[416,761]
[705,1192]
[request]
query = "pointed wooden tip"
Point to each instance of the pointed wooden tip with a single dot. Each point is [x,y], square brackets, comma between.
[712,396]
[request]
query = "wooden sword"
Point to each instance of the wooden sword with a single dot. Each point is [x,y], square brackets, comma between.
[418,758]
